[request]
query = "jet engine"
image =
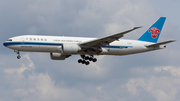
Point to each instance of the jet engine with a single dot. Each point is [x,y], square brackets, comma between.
[58,56]
[69,48]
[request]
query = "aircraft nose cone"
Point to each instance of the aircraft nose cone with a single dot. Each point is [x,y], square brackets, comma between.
[5,44]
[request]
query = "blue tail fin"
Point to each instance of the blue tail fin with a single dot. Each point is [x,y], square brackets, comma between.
[152,34]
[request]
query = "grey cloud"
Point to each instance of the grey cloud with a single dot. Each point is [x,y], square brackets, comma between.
[123,78]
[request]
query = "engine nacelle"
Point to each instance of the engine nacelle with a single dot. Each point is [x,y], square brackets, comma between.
[69,48]
[58,56]
[104,51]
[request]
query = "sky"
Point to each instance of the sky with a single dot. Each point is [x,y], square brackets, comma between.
[151,76]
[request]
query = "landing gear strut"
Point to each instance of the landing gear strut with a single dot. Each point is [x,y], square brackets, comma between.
[18,57]
[85,59]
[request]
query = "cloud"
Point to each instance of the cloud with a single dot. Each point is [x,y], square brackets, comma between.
[175,71]
[41,87]
[164,88]
[29,86]
[148,76]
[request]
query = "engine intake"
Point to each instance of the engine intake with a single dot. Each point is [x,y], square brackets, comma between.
[58,56]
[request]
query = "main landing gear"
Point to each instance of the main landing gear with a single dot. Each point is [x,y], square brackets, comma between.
[18,57]
[85,59]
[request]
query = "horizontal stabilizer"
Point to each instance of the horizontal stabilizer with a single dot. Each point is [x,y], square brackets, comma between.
[161,43]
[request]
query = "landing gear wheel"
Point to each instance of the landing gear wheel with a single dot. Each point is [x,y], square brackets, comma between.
[79,61]
[86,58]
[17,51]
[90,59]
[94,60]
[18,57]
[83,56]
[83,61]
[87,63]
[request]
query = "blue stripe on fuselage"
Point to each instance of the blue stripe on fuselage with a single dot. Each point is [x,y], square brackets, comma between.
[115,46]
[31,43]
[10,43]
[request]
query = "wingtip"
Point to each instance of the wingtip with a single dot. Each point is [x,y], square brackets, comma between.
[173,40]
[138,27]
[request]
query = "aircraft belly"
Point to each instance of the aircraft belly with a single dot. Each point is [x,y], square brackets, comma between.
[126,51]
[120,51]
[36,48]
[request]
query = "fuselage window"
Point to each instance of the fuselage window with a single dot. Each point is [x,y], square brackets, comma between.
[45,39]
[41,39]
[26,38]
[37,39]
[34,38]
[30,38]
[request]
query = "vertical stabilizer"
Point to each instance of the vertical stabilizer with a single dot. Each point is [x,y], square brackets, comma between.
[152,34]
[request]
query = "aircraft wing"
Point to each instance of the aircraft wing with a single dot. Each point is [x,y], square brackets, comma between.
[161,43]
[106,40]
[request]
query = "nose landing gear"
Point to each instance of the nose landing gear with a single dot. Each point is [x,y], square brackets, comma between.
[18,57]
[85,59]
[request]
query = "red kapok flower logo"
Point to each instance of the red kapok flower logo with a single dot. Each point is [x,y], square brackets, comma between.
[154,32]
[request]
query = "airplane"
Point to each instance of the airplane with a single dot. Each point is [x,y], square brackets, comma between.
[61,47]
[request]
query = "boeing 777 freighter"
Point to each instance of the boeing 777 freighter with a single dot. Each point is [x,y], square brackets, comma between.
[61,47]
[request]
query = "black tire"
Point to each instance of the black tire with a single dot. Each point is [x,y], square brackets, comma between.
[79,61]
[86,58]
[83,56]
[87,63]
[18,57]
[94,60]
[90,59]
[83,61]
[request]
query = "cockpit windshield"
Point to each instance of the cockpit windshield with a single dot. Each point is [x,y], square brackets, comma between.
[9,40]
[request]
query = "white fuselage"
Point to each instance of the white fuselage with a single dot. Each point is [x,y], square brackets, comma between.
[53,44]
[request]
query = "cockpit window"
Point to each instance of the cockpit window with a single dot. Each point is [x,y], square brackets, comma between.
[9,40]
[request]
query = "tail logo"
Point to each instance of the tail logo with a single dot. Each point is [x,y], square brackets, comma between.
[154,32]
